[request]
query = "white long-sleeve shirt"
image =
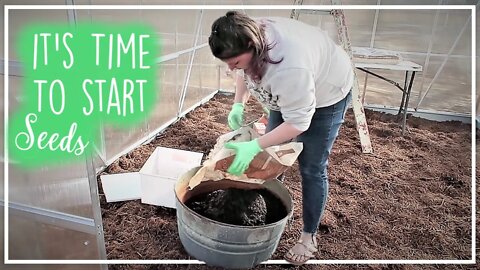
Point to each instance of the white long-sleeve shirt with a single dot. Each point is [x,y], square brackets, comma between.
[315,72]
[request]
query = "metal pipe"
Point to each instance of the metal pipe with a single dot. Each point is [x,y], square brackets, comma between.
[404,92]
[97,211]
[295,13]
[70,221]
[364,88]
[406,102]
[372,42]
[103,150]
[374,29]
[437,54]
[174,55]
[50,217]
[71,13]
[440,69]
[15,68]
[313,12]
[177,88]
[425,114]
[190,64]
[383,78]
[429,51]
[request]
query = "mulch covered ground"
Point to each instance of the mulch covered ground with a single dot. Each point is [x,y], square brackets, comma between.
[409,200]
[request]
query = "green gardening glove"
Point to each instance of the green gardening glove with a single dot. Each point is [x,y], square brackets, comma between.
[266,111]
[244,154]
[235,117]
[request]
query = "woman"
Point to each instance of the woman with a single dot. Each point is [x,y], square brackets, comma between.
[304,79]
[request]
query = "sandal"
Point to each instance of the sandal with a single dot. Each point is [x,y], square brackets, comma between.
[301,252]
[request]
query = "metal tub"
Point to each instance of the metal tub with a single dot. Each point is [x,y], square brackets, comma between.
[225,245]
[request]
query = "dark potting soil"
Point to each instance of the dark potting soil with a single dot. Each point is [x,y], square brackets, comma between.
[239,206]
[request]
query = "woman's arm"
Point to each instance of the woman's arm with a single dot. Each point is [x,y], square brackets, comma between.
[279,135]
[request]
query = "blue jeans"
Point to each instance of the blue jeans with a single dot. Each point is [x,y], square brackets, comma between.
[317,142]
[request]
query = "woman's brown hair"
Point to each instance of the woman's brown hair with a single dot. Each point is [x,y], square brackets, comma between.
[235,34]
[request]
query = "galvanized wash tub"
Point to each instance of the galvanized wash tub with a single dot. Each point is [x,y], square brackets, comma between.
[221,244]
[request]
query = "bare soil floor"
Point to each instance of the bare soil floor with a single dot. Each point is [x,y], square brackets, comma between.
[409,200]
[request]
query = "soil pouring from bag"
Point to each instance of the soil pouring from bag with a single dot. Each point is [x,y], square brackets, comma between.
[253,207]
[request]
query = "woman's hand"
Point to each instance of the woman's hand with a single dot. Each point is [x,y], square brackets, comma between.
[235,117]
[245,153]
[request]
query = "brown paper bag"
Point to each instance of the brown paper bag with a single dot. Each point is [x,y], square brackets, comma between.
[267,165]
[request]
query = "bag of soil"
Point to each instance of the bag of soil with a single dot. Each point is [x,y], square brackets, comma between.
[267,165]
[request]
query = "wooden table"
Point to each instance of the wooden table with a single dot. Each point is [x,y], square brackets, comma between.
[407,66]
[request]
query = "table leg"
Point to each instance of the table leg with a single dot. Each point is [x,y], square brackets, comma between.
[406,102]
[364,88]
[404,92]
